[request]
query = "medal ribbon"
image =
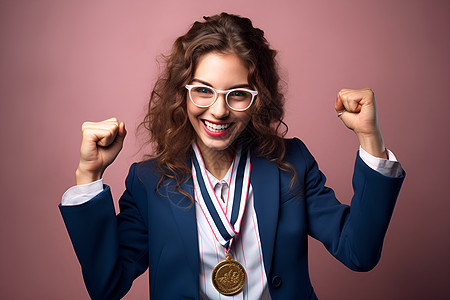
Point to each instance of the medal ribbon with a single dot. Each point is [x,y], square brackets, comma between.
[224,224]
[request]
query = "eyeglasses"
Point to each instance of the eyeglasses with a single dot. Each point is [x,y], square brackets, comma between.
[238,99]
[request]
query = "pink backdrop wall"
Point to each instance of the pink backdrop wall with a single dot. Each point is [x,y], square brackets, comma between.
[64,62]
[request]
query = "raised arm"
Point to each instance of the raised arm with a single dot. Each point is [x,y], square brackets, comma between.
[357,109]
[100,145]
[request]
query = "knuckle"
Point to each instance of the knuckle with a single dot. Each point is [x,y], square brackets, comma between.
[111,132]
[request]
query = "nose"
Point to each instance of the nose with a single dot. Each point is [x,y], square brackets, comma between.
[220,109]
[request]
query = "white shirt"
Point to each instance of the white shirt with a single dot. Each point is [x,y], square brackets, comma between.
[246,247]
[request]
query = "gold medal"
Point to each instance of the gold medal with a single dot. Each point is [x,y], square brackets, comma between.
[228,276]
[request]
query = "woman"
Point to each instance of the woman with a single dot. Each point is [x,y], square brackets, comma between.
[224,207]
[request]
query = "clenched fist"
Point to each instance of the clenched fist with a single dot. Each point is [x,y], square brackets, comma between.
[357,109]
[100,145]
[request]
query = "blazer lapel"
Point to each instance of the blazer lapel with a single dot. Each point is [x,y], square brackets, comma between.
[184,215]
[265,183]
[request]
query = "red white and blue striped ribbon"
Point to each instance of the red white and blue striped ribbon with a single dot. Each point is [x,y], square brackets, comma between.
[225,224]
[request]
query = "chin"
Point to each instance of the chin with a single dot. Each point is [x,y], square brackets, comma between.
[216,145]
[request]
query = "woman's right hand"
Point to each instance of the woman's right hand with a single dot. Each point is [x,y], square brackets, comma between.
[100,145]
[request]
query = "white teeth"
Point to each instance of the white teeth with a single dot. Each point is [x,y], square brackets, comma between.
[216,127]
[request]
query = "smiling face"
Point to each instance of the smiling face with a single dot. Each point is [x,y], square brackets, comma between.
[218,126]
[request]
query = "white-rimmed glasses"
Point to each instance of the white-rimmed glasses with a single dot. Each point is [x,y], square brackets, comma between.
[204,96]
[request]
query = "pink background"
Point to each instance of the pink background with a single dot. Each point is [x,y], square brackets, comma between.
[64,62]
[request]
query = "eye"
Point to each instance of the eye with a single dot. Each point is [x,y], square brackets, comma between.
[237,93]
[203,90]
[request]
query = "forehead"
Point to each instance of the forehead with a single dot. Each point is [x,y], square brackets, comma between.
[221,70]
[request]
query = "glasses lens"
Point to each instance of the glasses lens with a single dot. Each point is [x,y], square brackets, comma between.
[202,95]
[239,99]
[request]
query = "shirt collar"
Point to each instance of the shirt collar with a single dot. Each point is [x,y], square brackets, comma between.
[224,180]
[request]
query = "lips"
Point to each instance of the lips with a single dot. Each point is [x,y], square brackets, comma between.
[216,130]
[216,127]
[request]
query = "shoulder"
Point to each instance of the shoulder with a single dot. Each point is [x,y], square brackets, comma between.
[147,166]
[296,151]
[294,143]
[144,172]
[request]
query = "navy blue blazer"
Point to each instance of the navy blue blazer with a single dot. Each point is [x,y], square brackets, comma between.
[158,230]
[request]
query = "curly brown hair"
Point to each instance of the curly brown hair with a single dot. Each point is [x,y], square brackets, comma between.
[171,133]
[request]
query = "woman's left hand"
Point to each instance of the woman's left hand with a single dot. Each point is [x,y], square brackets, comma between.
[357,109]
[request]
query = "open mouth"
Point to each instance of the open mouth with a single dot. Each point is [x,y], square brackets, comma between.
[216,127]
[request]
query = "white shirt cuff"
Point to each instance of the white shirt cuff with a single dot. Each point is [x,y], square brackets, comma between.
[388,167]
[80,194]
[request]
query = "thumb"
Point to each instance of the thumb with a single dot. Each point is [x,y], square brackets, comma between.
[339,105]
[118,142]
[122,131]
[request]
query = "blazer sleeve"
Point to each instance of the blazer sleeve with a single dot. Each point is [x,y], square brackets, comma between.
[353,234]
[112,250]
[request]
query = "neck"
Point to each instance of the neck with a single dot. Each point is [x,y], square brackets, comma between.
[217,162]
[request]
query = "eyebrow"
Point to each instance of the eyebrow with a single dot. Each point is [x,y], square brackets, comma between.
[245,85]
